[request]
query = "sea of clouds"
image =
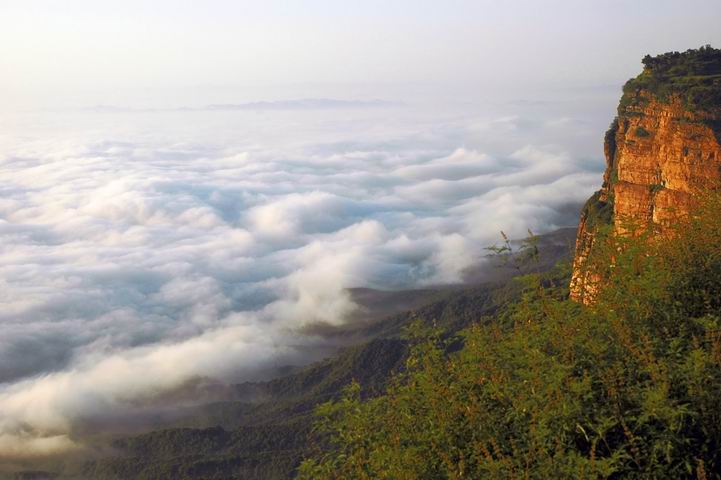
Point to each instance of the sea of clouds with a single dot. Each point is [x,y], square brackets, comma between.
[142,250]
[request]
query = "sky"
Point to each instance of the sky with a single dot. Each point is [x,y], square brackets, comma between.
[142,230]
[168,52]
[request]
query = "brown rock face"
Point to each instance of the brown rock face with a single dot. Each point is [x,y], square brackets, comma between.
[659,154]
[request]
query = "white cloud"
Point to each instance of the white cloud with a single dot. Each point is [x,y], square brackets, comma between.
[132,263]
[460,164]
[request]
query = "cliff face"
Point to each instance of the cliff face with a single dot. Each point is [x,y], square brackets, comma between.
[660,151]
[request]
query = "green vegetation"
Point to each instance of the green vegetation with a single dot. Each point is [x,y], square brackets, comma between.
[250,440]
[609,139]
[693,76]
[211,453]
[627,388]
[656,187]
[610,147]
[597,212]
[641,132]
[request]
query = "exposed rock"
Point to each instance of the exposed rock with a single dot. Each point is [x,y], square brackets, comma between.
[660,152]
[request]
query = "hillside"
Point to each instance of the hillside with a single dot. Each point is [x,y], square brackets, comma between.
[625,383]
[267,439]
[265,432]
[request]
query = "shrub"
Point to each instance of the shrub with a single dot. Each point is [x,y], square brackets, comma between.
[627,388]
[641,132]
[693,76]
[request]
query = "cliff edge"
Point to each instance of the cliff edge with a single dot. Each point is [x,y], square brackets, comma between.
[662,148]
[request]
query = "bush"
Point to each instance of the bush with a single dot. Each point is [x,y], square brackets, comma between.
[693,76]
[642,132]
[627,388]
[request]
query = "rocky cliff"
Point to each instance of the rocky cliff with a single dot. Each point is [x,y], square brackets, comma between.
[662,149]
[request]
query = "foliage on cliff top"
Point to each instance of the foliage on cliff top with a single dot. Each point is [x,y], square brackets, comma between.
[694,76]
[596,212]
[628,388]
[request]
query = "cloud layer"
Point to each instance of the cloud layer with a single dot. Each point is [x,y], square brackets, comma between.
[144,251]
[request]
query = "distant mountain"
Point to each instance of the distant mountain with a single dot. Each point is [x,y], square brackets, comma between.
[305,104]
[301,104]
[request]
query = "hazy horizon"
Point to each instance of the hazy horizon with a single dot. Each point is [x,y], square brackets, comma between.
[184,53]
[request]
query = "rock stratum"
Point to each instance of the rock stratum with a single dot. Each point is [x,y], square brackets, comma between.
[661,150]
